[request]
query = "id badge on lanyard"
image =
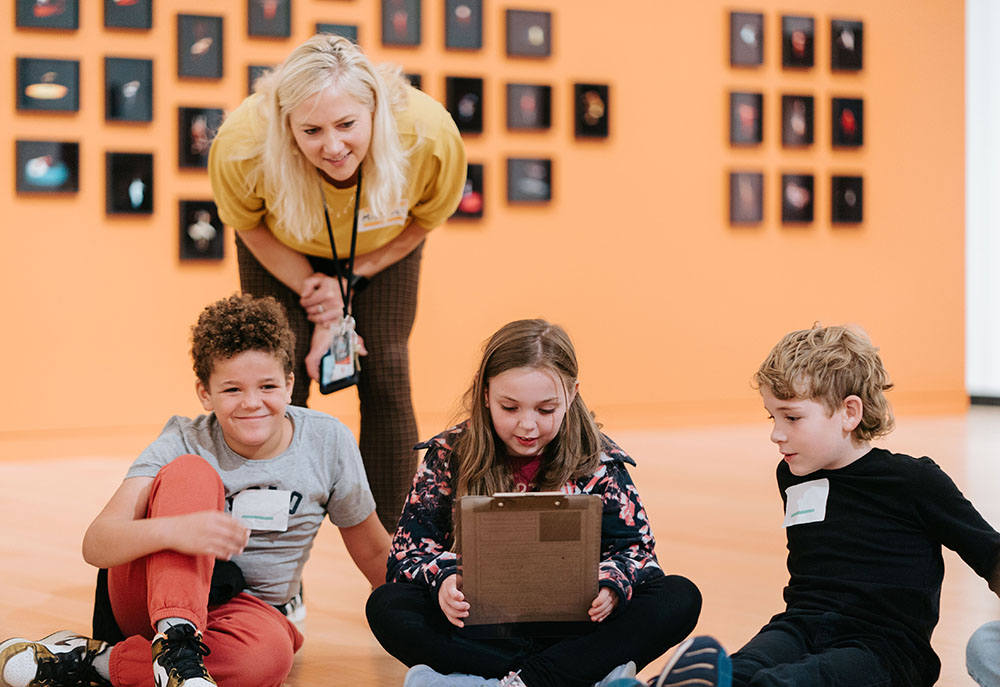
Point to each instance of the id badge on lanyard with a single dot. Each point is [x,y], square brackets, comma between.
[341,366]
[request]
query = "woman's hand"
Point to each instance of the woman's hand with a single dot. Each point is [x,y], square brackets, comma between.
[321,298]
[321,339]
[452,601]
[207,533]
[605,602]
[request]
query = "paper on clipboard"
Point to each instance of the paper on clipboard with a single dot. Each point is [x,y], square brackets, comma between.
[530,557]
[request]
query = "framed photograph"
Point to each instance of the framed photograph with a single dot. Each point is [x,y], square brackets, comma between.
[590,110]
[529,180]
[48,85]
[798,42]
[464,100]
[746,112]
[415,80]
[471,205]
[128,14]
[463,24]
[47,14]
[796,198]
[746,38]
[47,166]
[848,119]
[746,197]
[201,231]
[847,206]
[797,117]
[271,18]
[529,106]
[846,45]
[529,34]
[400,22]
[196,127]
[128,90]
[254,72]
[349,31]
[199,46]
[128,183]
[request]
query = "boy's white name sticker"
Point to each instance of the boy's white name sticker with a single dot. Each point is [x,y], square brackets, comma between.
[263,509]
[806,502]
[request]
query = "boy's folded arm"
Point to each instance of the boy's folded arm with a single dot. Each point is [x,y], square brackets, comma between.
[122,533]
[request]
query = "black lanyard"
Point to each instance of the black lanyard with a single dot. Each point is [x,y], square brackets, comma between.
[345,289]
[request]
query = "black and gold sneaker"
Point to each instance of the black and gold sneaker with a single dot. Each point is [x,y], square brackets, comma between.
[63,658]
[177,658]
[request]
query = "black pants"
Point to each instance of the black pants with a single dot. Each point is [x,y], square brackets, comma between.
[408,622]
[384,312]
[814,650]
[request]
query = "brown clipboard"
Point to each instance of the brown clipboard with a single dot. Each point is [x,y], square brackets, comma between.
[530,557]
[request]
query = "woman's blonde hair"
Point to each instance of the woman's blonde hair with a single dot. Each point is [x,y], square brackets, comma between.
[828,364]
[286,176]
[480,466]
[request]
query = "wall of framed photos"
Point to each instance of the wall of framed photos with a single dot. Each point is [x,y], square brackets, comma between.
[599,195]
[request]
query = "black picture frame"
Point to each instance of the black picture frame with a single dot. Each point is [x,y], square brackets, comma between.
[746,116]
[797,198]
[128,89]
[797,120]
[47,166]
[269,18]
[591,110]
[46,85]
[846,45]
[746,39]
[128,183]
[463,24]
[529,180]
[348,31]
[847,119]
[529,33]
[137,14]
[416,80]
[472,204]
[464,100]
[401,22]
[847,199]
[196,127]
[798,42]
[199,46]
[201,233]
[529,107]
[47,14]
[254,72]
[746,197]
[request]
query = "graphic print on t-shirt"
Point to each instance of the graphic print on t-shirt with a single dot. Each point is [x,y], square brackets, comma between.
[806,502]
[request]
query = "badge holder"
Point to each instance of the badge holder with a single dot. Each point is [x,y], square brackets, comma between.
[340,367]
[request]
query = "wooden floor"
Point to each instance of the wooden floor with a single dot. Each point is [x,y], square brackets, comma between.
[710,493]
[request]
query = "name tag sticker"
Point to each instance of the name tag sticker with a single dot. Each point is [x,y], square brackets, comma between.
[263,509]
[369,222]
[806,502]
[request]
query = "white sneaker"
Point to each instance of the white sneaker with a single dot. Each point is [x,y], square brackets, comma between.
[62,658]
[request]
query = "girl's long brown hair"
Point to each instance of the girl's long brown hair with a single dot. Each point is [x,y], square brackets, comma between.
[480,465]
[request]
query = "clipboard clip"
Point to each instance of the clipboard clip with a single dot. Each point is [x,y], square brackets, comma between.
[548,501]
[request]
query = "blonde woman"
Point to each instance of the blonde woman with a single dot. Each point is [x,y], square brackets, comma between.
[285,165]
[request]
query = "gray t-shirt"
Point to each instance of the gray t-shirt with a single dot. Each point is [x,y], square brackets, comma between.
[321,468]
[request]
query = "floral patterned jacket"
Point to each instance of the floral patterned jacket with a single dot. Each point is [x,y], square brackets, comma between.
[420,547]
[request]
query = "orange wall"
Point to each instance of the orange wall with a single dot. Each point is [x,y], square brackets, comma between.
[671,308]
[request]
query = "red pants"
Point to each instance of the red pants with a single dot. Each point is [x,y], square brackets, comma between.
[252,644]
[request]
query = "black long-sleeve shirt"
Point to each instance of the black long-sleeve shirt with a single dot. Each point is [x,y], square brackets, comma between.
[864,541]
